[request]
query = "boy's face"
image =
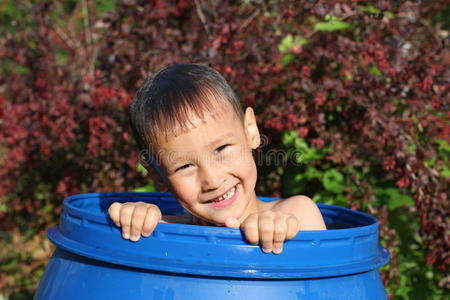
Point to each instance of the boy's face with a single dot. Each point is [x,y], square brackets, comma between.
[210,167]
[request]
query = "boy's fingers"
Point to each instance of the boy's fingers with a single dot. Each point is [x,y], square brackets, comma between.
[279,234]
[266,231]
[114,213]
[250,229]
[232,222]
[137,221]
[292,227]
[126,211]
[151,220]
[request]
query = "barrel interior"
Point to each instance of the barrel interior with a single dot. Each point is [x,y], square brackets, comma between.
[335,218]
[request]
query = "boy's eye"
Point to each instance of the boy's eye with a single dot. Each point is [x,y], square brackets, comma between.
[183,167]
[219,149]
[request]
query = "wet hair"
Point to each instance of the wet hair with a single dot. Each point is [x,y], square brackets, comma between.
[166,102]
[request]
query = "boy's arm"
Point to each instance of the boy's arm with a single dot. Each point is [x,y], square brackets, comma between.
[306,211]
[278,221]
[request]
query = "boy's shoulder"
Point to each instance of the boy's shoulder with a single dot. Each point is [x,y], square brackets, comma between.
[297,201]
[302,207]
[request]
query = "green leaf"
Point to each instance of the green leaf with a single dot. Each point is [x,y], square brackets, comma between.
[332,24]
[431,162]
[301,144]
[312,155]
[369,9]
[287,59]
[286,43]
[333,181]
[105,5]
[313,173]
[340,200]
[444,171]
[393,197]
[400,200]
[292,181]
[396,101]
[373,70]
[444,149]
[3,207]
[61,57]
[304,153]
[22,70]
[146,188]
[324,197]
[288,138]
[141,169]
[289,41]
[412,148]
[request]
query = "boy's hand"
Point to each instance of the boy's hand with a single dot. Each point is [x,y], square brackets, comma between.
[268,228]
[135,218]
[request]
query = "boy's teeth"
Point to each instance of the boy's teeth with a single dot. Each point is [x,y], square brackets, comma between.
[226,196]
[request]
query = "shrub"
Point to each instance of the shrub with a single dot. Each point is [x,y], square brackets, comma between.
[360,89]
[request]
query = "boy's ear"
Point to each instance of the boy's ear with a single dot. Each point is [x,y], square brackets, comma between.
[251,128]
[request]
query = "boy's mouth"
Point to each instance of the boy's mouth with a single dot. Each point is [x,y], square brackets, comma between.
[225,199]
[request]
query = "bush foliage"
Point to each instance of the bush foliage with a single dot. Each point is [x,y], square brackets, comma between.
[359,88]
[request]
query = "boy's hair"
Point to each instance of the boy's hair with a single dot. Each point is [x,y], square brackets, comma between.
[166,100]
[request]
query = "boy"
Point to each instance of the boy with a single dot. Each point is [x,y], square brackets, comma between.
[199,144]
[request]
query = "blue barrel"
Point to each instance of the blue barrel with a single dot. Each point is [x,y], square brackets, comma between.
[92,261]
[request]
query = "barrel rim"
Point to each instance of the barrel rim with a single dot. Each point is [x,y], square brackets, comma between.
[68,204]
[208,270]
[93,235]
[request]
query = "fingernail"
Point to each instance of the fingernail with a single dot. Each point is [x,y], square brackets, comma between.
[266,250]
[134,238]
[126,235]
[146,234]
[277,251]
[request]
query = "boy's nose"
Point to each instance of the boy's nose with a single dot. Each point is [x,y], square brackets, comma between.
[212,178]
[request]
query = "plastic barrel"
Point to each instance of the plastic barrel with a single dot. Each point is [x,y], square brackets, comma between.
[178,261]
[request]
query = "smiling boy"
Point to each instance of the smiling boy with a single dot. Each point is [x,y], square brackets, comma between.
[200,142]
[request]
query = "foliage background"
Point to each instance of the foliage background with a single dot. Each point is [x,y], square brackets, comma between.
[360,88]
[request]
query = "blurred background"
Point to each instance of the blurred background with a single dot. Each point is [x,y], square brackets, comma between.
[359,88]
